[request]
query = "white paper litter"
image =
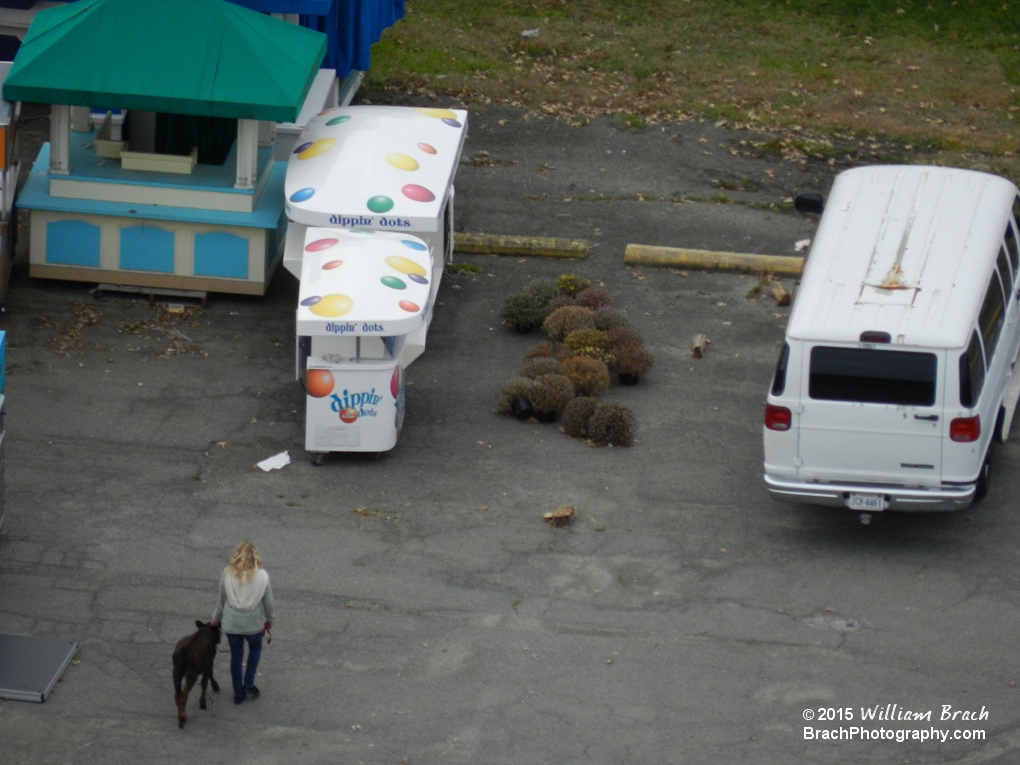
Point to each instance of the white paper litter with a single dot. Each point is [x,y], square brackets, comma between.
[275,462]
[802,245]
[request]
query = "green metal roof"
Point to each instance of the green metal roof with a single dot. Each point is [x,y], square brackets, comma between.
[201,57]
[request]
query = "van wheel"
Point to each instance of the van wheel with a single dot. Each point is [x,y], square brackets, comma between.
[984,480]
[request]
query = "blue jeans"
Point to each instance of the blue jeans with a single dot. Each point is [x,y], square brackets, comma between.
[237,659]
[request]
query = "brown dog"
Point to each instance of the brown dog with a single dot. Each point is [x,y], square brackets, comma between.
[193,656]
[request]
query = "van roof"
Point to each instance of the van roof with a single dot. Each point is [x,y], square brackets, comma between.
[906,250]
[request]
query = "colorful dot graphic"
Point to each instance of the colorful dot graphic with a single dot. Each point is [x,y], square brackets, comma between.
[417,193]
[426,148]
[380,204]
[402,161]
[320,244]
[452,122]
[438,113]
[331,265]
[332,306]
[302,147]
[319,383]
[407,305]
[317,147]
[417,278]
[413,245]
[302,195]
[338,120]
[404,265]
[311,300]
[393,282]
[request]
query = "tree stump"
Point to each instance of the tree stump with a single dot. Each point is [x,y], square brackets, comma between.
[699,343]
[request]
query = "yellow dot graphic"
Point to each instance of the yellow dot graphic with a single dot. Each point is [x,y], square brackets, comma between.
[319,147]
[404,266]
[332,306]
[402,161]
[439,114]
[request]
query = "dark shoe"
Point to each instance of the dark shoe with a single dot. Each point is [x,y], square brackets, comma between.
[239,699]
[252,691]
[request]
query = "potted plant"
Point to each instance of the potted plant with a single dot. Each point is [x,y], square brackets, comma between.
[576,415]
[631,361]
[514,399]
[589,376]
[594,298]
[522,312]
[549,394]
[544,349]
[571,284]
[563,321]
[611,424]
[610,318]
[535,368]
[589,342]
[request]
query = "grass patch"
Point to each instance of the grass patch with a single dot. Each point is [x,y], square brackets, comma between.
[933,73]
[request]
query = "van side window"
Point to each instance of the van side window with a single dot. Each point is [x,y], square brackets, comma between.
[972,373]
[1005,271]
[872,376]
[1012,250]
[991,317]
[779,378]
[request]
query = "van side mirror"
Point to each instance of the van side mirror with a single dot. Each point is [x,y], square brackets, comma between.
[811,202]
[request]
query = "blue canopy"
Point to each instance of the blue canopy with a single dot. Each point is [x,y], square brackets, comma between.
[350,26]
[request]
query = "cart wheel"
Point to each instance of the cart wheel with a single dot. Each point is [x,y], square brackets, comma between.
[318,458]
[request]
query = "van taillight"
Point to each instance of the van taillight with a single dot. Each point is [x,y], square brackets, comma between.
[965,429]
[777,417]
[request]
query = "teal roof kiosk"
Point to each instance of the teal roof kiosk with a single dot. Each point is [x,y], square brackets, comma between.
[147,210]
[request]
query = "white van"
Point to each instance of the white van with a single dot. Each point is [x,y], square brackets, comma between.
[897,369]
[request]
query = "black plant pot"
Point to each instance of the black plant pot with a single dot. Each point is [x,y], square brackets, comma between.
[546,417]
[520,407]
[628,379]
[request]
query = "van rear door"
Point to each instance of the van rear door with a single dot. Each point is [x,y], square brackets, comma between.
[872,414]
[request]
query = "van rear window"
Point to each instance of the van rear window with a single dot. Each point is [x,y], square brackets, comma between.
[872,376]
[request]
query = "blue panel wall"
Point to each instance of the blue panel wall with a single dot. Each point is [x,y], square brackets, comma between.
[72,243]
[147,248]
[218,254]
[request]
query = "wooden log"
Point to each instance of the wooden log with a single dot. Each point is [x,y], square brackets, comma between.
[559,517]
[699,344]
[780,293]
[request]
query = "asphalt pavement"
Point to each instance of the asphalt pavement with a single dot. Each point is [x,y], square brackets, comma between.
[426,613]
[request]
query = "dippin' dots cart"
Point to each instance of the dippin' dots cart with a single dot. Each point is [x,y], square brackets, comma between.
[362,293]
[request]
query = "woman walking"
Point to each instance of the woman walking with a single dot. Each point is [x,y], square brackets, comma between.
[244,610]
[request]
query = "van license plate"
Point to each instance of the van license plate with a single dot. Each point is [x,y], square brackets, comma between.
[870,502]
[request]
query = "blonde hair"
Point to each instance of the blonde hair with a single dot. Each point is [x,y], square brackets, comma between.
[244,562]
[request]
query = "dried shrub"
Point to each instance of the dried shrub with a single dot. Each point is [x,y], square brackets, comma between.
[590,377]
[594,298]
[589,342]
[563,321]
[576,416]
[558,302]
[518,387]
[611,424]
[632,359]
[543,350]
[550,393]
[545,290]
[535,368]
[621,335]
[571,284]
[610,318]
[522,312]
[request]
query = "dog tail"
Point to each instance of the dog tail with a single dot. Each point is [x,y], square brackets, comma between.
[178,670]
